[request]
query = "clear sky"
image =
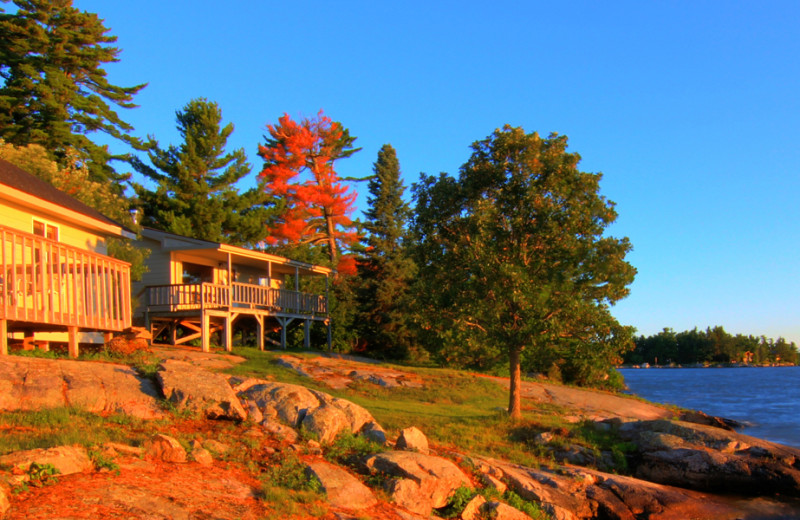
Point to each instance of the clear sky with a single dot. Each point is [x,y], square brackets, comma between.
[690,109]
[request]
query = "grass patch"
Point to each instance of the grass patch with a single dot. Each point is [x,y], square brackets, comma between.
[27,430]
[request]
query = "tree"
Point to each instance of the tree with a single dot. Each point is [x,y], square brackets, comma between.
[55,91]
[512,253]
[386,271]
[316,208]
[195,192]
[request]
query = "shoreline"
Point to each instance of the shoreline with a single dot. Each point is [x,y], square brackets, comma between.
[644,366]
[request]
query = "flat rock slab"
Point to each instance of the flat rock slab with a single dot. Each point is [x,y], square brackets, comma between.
[34,384]
[341,371]
[66,459]
[578,493]
[341,488]
[194,388]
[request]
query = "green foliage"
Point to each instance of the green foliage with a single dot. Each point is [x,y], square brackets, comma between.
[290,473]
[531,509]
[512,258]
[386,269]
[55,91]
[714,345]
[457,502]
[347,447]
[195,193]
[40,475]
[101,461]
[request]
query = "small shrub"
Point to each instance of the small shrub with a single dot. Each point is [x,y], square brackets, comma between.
[531,509]
[348,446]
[101,461]
[42,474]
[455,506]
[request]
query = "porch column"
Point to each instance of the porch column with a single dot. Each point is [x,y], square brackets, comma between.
[3,337]
[297,279]
[306,334]
[205,333]
[330,335]
[228,333]
[260,331]
[72,333]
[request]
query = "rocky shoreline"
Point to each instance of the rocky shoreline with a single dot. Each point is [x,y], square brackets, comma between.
[694,466]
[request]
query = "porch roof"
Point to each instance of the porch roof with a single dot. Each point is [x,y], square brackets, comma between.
[239,255]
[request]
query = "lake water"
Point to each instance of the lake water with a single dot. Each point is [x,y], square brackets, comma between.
[766,398]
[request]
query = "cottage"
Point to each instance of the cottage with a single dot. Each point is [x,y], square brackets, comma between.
[55,275]
[195,288]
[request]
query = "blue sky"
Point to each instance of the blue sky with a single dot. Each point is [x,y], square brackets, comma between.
[690,109]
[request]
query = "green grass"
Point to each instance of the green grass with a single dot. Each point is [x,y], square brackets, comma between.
[26,430]
[456,410]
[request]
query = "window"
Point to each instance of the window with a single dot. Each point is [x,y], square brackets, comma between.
[195,273]
[43,229]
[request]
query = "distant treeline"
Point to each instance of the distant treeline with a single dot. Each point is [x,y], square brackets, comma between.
[713,345]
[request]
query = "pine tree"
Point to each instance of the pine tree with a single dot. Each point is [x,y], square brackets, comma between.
[316,207]
[195,194]
[55,92]
[386,270]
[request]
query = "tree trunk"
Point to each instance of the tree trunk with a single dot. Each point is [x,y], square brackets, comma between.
[514,406]
[331,231]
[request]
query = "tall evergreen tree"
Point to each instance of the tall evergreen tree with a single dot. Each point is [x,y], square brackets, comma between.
[195,194]
[55,92]
[386,270]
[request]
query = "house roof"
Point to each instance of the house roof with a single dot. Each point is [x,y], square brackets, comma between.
[173,242]
[17,181]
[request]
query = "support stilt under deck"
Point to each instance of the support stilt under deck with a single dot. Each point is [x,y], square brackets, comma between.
[306,334]
[3,337]
[72,333]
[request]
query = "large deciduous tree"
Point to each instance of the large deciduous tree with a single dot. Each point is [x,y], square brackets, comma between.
[512,254]
[55,92]
[386,270]
[195,193]
[299,160]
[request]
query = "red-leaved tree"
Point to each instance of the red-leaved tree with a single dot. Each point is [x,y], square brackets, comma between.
[299,168]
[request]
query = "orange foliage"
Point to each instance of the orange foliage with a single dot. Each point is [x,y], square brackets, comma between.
[318,207]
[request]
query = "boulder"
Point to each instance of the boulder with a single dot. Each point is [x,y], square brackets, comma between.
[416,481]
[280,431]
[373,432]
[412,439]
[199,390]
[473,509]
[215,447]
[65,459]
[166,449]
[501,511]
[291,402]
[326,422]
[296,406]
[341,488]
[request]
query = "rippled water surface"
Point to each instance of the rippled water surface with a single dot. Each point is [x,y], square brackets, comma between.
[768,398]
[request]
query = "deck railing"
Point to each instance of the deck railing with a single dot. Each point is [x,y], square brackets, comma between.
[182,297]
[47,282]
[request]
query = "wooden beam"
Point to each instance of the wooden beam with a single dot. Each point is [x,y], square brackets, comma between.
[4,337]
[306,334]
[72,333]
[205,333]
[260,331]
[228,333]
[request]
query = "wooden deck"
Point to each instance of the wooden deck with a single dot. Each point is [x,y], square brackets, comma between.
[49,286]
[202,308]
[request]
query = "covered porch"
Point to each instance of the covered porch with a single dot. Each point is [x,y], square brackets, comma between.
[216,286]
